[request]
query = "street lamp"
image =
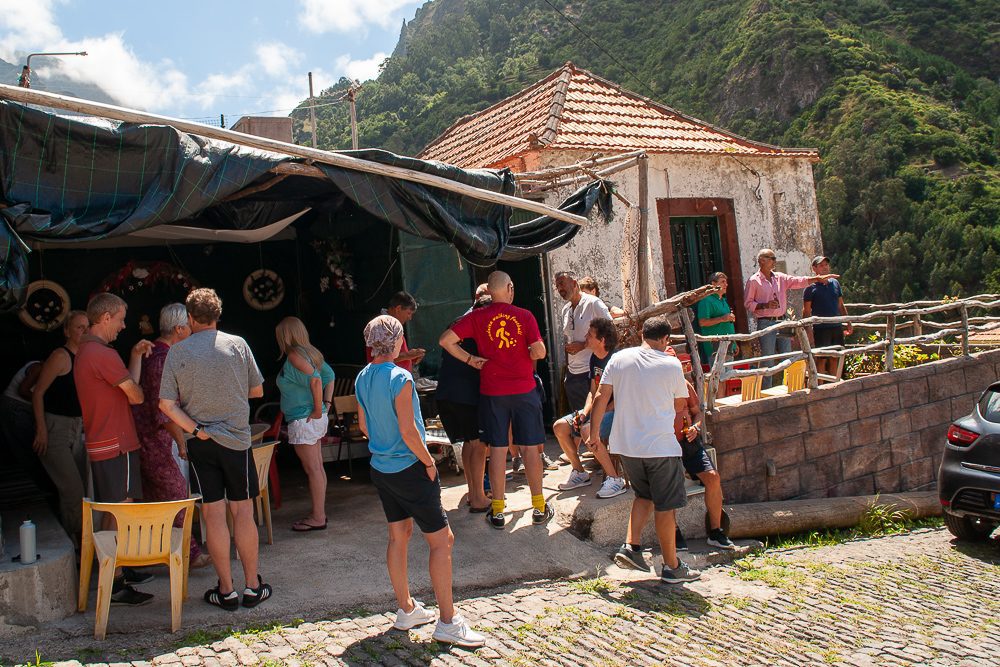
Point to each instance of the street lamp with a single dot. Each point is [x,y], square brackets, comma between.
[25,80]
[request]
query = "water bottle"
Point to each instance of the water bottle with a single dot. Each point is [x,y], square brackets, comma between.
[28,552]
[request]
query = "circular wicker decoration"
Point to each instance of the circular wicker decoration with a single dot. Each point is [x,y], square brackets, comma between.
[45,306]
[263,289]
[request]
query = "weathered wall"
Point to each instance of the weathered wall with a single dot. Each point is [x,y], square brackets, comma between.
[784,216]
[878,434]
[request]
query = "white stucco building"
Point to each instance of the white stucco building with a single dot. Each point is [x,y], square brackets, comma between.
[714,198]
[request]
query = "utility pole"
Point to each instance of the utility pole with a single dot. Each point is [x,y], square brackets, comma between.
[312,109]
[354,115]
[222,120]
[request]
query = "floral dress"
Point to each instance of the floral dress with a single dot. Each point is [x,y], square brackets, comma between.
[161,478]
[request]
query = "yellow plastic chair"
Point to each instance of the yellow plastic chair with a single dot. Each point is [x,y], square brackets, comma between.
[145,536]
[749,391]
[794,380]
[262,455]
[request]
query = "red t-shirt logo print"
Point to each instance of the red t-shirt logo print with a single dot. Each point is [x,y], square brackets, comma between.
[504,339]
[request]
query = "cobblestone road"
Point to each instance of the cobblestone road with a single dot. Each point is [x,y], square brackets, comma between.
[901,600]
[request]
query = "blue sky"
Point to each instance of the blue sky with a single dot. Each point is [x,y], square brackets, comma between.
[201,59]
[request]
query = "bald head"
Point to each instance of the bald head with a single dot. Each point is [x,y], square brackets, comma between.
[501,287]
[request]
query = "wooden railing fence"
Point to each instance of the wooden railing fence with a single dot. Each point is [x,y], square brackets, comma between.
[891,318]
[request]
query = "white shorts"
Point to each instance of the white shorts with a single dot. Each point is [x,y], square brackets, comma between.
[307,431]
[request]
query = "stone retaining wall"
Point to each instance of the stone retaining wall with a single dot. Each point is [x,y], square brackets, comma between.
[878,434]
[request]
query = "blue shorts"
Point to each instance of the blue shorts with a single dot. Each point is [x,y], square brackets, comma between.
[696,460]
[519,415]
[605,432]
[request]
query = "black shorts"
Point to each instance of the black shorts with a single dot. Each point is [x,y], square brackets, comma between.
[460,421]
[831,336]
[520,414]
[219,473]
[660,480]
[696,459]
[411,494]
[117,479]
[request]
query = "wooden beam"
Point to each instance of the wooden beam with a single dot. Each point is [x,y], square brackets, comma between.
[29,96]
[253,189]
[642,282]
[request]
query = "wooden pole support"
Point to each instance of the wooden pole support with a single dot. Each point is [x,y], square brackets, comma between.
[718,368]
[52,100]
[696,373]
[965,331]
[890,337]
[812,377]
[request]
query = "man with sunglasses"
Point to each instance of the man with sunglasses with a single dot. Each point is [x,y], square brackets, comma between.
[766,300]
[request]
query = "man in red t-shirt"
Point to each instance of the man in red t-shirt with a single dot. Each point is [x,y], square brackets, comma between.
[403,307]
[509,344]
[106,388]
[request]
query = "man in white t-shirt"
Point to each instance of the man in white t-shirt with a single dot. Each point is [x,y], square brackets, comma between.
[648,388]
[579,310]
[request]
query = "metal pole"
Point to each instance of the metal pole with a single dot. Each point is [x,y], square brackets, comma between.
[643,254]
[312,110]
[354,116]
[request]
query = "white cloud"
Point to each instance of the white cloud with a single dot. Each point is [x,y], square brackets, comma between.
[276,58]
[110,64]
[361,70]
[322,16]
[26,25]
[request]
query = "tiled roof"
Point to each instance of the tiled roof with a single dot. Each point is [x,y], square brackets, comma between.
[575,110]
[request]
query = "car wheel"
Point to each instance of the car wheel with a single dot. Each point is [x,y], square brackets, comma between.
[969,529]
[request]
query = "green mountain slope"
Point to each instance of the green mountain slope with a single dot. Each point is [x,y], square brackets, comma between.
[900,97]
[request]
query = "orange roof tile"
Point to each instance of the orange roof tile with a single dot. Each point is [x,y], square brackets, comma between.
[573,109]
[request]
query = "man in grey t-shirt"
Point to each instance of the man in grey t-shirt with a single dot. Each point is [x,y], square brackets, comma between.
[207,380]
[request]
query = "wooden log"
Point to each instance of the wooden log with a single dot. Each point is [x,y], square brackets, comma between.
[532,186]
[890,337]
[30,96]
[812,378]
[797,516]
[918,328]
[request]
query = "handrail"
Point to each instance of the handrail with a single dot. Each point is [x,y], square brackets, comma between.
[892,314]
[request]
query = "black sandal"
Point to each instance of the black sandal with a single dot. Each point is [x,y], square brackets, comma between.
[229,602]
[254,596]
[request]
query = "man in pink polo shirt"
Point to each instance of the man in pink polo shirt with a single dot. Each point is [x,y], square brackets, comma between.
[766,300]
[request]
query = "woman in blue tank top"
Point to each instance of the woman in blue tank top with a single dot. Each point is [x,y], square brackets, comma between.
[306,385]
[406,478]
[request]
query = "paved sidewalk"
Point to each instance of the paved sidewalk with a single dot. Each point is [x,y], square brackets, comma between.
[901,600]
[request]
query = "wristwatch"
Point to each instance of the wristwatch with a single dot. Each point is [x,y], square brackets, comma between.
[197,430]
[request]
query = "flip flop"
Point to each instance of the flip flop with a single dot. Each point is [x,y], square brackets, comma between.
[306,527]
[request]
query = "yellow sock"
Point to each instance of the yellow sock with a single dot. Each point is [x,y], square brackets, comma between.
[538,502]
[497,506]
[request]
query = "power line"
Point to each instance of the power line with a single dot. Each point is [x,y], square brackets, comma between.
[338,100]
[603,50]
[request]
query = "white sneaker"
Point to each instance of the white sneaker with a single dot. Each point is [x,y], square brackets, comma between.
[458,632]
[612,486]
[418,616]
[577,478]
